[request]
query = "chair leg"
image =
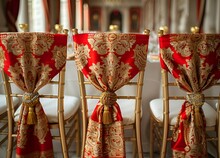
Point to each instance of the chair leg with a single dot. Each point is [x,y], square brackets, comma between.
[134,145]
[10,138]
[151,137]
[218,135]
[164,141]
[138,137]
[78,140]
[63,139]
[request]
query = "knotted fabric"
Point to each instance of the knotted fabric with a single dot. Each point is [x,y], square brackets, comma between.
[30,100]
[109,61]
[31,60]
[107,99]
[193,60]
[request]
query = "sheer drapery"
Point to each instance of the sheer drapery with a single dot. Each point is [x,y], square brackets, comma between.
[109,61]
[194,61]
[31,60]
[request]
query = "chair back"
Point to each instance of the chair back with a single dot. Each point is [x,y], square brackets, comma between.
[109,61]
[193,62]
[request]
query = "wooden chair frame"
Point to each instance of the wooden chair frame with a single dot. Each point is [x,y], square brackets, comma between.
[136,127]
[66,137]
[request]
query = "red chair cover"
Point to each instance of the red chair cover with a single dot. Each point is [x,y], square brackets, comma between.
[31,60]
[109,61]
[194,61]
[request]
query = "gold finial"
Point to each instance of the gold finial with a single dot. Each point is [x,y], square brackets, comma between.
[147,31]
[160,32]
[164,28]
[65,31]
[75,31]
[58,28]
[23,27]
[195,29]
[113,28]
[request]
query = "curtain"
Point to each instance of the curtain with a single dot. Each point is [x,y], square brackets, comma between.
[194,61]
[12,8]
[52,13]
[31,60]
[109,61]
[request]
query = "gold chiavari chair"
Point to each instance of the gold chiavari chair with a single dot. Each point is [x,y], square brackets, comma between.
[185,116]
[129,97]
[62,111]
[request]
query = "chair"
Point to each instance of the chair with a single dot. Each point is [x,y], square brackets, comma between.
[93,91]
[6,125]
[184,117]
[62,111]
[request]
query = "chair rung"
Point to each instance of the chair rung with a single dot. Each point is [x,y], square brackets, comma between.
[212,139]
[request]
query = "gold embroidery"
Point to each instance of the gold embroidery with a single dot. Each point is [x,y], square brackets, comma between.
[41,127]
[110,69]
[82,54]
[140,55]
[105,43]
[36,43]
[166,55]
[187,44]
[2,58]
[59,54]
[113,142]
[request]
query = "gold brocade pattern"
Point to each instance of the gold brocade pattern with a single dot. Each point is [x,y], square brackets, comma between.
[59,54]
[23,43]
[109,61]
[188,57]
[2,58]
[113,141]
[41,128]
[111,67]
[111,42]
[194,44]
[139,55]
[82,54]
[31,61]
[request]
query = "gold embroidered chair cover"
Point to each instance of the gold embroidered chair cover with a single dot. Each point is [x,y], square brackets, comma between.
[31,60]
[109,61]
[194,61]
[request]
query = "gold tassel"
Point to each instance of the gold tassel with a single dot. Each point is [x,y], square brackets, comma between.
[30,100]
[31,118]
[198,117]
[106,117]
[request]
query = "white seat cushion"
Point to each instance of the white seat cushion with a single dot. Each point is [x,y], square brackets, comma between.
[127,107]
[3,103]
[71,105]
[156,106]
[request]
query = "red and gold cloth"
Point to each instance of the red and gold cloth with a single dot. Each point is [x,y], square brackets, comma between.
[109,61]
[31,60]
[194,61]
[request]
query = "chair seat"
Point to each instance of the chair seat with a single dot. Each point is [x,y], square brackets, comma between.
[127,109]
[71,105]
[3,104]
[156,106]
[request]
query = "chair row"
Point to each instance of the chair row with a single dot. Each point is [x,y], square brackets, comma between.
[110,62]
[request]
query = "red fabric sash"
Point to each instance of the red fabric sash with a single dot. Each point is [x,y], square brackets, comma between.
[109,61]
[31,60]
